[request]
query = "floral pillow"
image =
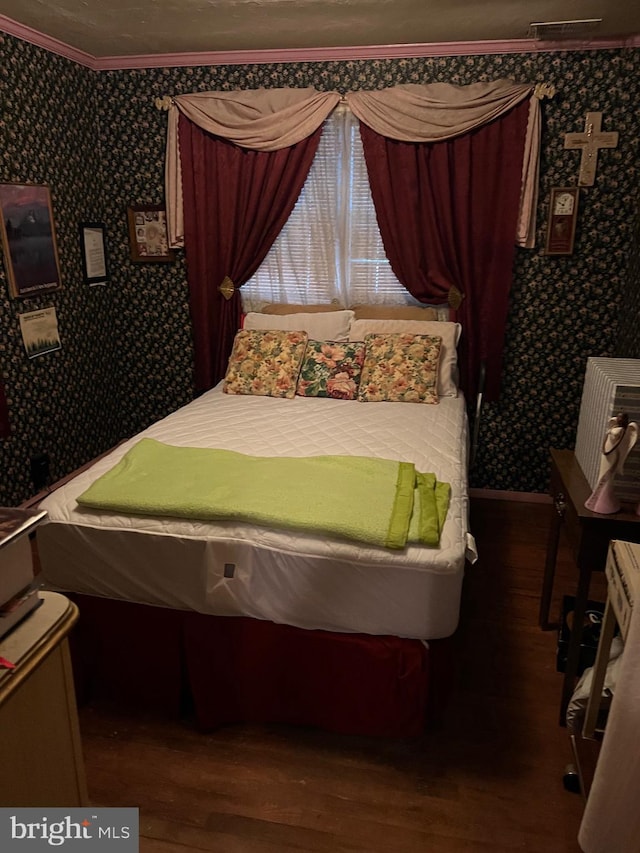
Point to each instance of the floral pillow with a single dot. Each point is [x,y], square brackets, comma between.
[331,369]
[265,363]
[400,368]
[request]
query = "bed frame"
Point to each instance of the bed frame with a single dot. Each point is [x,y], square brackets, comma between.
[236,669]
[224,670]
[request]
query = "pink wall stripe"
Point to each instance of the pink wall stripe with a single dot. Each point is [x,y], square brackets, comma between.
[319,54]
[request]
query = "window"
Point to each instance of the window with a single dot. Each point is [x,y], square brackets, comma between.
[330,248]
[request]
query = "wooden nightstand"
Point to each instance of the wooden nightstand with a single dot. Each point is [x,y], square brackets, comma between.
[589,535]
[40,750]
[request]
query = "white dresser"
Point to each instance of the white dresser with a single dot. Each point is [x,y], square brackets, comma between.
[40,749]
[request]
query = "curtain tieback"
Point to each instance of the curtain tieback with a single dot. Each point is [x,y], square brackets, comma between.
[227,288]
[455,297]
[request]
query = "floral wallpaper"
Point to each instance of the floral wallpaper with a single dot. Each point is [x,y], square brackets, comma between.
[97,139]
[61,403]
[628,343]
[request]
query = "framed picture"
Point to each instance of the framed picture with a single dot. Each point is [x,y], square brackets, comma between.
[40,331]
[148,234]
[563,216]
[94,256]
[29,239]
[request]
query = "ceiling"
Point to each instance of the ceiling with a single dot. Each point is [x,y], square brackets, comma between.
[104,28]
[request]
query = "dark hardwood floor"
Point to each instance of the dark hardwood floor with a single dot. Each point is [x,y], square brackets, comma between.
[486,780]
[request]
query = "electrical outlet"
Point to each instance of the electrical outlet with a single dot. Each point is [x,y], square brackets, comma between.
[40,471]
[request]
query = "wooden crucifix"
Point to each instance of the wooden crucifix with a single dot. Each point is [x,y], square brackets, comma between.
[590,140]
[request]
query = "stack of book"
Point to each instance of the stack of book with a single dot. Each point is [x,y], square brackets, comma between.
[18,588]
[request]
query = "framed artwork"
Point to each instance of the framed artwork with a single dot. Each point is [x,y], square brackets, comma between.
[40,331]
[29,239]
[148,234]
[563,216]
[94,256]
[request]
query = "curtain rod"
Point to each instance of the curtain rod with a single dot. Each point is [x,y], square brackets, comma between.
[163,103]
[540,91]
[544,90]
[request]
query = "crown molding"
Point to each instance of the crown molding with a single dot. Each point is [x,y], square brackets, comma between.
[13,28]
[356,52]
[316,54]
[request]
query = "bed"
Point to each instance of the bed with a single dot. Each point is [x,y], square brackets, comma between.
[270,624]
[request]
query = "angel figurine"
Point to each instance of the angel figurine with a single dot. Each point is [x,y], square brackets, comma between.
[620,437]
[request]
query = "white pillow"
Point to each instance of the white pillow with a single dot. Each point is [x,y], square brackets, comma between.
[320,325]
[449,332]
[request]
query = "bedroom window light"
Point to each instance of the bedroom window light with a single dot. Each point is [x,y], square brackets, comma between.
[330,249]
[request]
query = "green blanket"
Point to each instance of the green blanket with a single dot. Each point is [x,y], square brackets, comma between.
[377,501]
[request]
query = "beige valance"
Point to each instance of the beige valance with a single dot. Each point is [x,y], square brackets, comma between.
[269,119]
[434,111]
[260,119]
[438,111]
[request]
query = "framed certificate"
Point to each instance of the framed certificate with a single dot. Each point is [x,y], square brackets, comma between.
[94,255]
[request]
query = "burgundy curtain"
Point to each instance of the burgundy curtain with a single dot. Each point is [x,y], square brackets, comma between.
[448,215]
[236,202]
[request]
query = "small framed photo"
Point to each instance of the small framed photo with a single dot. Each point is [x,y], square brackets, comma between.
[148,234]
[29,239]
[95,266]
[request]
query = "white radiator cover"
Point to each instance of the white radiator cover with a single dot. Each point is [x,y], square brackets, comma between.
[611,386]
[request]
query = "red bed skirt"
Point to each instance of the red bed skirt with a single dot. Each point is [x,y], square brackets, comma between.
[236,669]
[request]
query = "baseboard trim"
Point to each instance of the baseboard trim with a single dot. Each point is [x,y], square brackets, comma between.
[521,497]
[34,500]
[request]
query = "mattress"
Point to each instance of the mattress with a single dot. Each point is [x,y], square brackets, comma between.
[237,569]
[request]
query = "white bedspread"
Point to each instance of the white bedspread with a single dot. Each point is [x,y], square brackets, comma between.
[237,569]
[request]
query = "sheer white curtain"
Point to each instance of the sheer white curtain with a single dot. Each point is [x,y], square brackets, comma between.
[330,249]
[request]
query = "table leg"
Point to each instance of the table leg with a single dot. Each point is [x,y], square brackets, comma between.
[550,564]
[573,653]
